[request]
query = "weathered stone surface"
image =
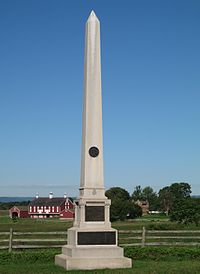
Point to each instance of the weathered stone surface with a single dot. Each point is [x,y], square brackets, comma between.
[70,263]
[92,242]
[93,251]
[92,167]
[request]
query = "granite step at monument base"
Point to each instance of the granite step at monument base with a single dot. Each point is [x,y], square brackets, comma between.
[93,258]
[93,251]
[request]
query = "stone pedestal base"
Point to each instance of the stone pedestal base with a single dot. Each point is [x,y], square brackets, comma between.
[92,257]
[92,242]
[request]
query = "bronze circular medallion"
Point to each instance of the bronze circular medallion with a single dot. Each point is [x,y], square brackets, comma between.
[94,152]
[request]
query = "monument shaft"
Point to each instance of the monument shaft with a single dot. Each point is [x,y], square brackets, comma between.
[92,242]
[92,166]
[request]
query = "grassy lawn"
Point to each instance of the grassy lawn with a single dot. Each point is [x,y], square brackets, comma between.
[151,222]
[33,225]
[139,267]
[145,260]
[3,213]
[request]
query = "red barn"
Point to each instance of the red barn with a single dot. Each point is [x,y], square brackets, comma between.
[67,214]
[51,207]
[19,212]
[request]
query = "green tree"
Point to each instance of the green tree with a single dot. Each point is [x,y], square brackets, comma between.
[137,194]
[170,195]
[146,194]
[121,204]
[150,195]
[165,199]
[117,192]
[180,190]
[186,210]
[135,211]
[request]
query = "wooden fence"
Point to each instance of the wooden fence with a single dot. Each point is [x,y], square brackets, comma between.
[21,240]
[32,239]
[146,237]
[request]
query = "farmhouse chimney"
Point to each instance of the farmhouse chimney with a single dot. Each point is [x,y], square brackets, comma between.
[50,195]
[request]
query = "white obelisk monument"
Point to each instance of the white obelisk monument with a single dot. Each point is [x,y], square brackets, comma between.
[92,242]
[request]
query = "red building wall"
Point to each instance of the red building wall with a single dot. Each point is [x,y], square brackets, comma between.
[19,213]
[24,214]
[67,214]
[47,211]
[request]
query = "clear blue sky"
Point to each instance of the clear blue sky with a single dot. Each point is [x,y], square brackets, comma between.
[151,93]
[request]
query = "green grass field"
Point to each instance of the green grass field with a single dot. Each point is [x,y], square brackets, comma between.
[145,260]
[150,222]
[154,222]
[148,260]
[33,225]
[3,213]
[139,267]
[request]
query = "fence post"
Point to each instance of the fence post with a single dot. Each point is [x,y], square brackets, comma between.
[143,236]
[10,240]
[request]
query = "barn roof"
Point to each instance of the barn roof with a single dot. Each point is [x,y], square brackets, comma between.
[41,201]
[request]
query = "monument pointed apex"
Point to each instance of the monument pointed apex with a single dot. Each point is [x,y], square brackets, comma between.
[92,16]
[92,13]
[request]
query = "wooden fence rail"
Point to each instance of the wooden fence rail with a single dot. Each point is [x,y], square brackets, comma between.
[141,238]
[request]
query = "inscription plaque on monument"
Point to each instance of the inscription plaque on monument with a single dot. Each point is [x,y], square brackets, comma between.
[97,238]
[94,214]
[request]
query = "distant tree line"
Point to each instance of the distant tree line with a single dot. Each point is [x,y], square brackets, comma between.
[8,205]
[174,200]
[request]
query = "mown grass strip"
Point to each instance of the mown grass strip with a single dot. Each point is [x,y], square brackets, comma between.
[136,253]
